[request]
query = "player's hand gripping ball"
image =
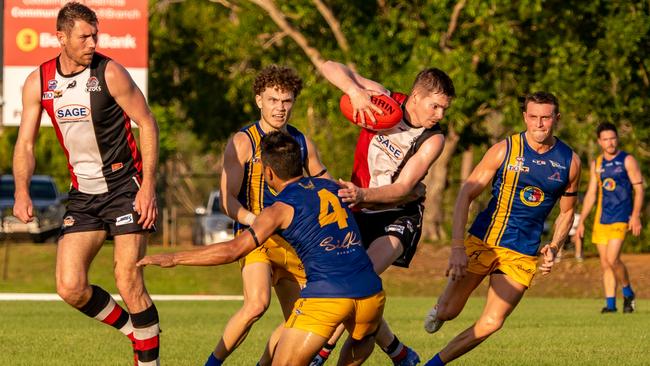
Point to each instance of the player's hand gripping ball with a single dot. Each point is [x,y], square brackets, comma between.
[392,112]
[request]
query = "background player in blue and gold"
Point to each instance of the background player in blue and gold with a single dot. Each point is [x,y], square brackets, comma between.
[613,179]
[342,286]
[529,172]
[245,193]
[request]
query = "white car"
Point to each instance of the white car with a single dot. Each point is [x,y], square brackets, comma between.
[49,208]
[211,226]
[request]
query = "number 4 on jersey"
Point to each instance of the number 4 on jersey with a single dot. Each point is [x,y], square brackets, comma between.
[331,210]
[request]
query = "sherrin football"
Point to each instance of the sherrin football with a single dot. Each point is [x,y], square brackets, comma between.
[392,112]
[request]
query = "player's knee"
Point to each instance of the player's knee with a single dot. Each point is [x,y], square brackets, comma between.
[73,292]
[254,310]
[487,325]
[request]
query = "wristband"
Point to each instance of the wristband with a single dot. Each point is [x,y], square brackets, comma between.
[249,219]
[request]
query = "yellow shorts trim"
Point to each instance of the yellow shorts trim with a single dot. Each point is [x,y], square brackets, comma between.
[283,260]
[484,259]
[603,233]
[321,316]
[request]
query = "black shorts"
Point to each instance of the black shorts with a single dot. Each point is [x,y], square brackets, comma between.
[404,223]
[112,211]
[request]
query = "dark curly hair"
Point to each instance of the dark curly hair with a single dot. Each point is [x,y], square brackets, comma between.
[281,77]
[74,11]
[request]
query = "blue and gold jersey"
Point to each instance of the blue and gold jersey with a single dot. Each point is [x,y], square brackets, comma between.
[328,242]
[524,190]
[614,190]
[255,194]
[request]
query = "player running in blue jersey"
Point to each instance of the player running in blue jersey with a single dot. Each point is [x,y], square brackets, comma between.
[342,286]
[616,187]
[529,172]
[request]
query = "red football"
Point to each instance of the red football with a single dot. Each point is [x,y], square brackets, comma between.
[392,112]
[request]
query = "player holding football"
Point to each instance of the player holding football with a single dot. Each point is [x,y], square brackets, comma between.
[614,177]
[529,172]
[92,101]
[274,264]
[388,167]
[342,286]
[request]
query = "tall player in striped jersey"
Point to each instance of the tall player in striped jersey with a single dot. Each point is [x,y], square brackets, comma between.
[91,101]
[388,169]
[274,264]
[614,178]
[342,286]
[529,172]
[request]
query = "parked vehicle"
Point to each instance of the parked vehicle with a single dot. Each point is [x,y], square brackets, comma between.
[49,208]
[211,225]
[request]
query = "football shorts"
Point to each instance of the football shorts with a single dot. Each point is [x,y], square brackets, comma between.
[602,233]
[484,259]
[361,317]
[283,260]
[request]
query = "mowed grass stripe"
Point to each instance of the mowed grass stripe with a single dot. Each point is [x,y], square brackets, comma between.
[539,332]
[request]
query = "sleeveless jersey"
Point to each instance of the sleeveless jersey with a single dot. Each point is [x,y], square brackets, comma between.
[92,128]
[254,193]
[524,190]
[327,240]
[380,155]
[614,190]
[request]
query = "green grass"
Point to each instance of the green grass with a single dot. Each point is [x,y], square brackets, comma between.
[540,332]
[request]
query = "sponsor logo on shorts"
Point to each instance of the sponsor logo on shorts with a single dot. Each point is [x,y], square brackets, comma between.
[48,95]
[92,85]
[531,196]
[395,228]
[116,166]
[527,270]
[68,221]
[124,220]
[555,164]
[609,184]
[51,84]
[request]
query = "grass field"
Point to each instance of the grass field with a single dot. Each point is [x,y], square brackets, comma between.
[542,331]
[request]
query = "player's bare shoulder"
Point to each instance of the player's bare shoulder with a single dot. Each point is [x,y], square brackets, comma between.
[239,147]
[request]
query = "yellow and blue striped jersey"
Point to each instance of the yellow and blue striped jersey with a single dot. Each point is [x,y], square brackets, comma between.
[614,190]
[524,190]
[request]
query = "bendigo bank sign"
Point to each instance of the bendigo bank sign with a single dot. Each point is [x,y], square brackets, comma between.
[30,39]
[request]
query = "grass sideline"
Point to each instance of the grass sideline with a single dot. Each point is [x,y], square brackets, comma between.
[539,332]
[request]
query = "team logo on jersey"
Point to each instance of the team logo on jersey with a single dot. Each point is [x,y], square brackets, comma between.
[389,148]
[539,162]
[531,196]
[124,220]
[51,84]
[609,184]
[68,221]
[92,85]
[555,177]
[72,113]
[48,95]
[555,164]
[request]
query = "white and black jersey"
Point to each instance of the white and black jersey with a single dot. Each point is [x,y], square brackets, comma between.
[93,130]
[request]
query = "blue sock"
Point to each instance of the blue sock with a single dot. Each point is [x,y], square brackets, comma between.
[611,303]
[435,361]
[627,291]
[213,361]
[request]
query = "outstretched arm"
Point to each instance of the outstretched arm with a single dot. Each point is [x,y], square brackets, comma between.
[357,87]
[634,173]
[272,218]
[564,220]
[129,97]
[480,177]
[23,159]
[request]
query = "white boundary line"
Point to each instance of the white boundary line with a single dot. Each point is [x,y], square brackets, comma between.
[55,297]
